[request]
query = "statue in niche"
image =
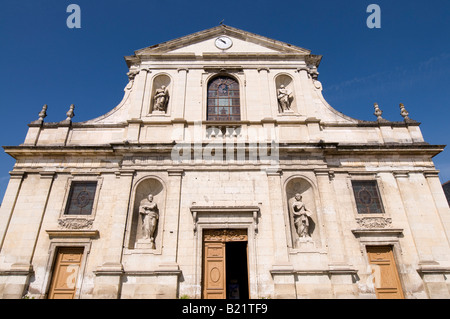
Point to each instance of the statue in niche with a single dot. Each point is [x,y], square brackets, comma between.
[161,99]
[148,210]
[285,98]
[301,217]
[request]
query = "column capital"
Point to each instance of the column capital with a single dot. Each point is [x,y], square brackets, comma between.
[16,175]
[175,171]
[125,172]
[263,69]
[324,172]
[302,68]
[431,173]
[274,171]
[45,174]
[401,174]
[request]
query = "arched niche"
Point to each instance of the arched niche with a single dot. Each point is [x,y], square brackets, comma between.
[288,83]
[160,96]
[303,187]
[142,190]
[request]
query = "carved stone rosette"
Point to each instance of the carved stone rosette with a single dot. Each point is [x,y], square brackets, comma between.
[75,223]
[374,222]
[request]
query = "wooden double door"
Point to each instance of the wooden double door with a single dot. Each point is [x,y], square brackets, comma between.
[384,272]
[225,264]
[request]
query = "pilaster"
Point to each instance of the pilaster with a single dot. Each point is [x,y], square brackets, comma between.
[9,202]
[172,219]
[137,94]
[264,96]
[333,229]
[282,270]
[306,90]
[340,272]
[20,240]
[108,275]
[180,95]
[427,231]
[440,200]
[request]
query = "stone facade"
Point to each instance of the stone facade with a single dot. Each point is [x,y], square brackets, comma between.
[224,175]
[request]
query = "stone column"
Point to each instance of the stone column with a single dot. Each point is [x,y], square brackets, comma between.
[340,272]
[108,275]
[22,233]
[282,270]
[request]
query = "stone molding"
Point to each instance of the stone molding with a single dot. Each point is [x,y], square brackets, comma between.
[331,270]
[377,232]
[18,269]
[92,234]
[113,269]
[196,210]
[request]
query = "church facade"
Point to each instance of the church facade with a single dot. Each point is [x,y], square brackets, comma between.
[224,173]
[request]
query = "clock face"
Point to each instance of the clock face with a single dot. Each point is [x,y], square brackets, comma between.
[223,42]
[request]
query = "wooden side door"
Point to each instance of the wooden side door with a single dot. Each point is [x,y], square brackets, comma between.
[214,270]
[65,273]
[386,279]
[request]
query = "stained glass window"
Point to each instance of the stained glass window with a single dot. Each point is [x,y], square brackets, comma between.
[223,100]
[367,196]
[81,198]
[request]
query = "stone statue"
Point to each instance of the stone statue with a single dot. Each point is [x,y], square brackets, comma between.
[148,210]
[285,98]
[161,99]
[301,217]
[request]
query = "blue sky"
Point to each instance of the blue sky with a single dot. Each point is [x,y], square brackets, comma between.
[406,61]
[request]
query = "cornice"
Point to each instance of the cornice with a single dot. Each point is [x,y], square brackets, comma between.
[162,50]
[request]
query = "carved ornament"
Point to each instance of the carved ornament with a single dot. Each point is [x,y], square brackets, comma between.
[374,222]
[75,223]
[225,235]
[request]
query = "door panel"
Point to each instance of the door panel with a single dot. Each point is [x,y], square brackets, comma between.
[386,279]
[65,273]
[214,271]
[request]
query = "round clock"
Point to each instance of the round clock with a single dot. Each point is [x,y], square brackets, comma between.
[223,42]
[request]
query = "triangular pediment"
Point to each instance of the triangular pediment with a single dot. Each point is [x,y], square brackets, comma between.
[203,42]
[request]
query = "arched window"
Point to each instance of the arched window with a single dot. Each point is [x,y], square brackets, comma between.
[223,99]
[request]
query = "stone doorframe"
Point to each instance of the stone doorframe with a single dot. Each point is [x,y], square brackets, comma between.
[226,217]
